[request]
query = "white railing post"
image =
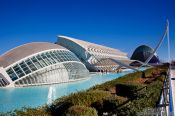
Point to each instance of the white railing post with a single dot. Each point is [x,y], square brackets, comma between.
[171,102]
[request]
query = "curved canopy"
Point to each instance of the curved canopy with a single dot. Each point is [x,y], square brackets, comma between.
[25,50]
[87,45]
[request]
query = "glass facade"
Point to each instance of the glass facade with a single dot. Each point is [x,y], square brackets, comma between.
[39,61]
[142,53]
[68,71]
[3,82]
[75,70]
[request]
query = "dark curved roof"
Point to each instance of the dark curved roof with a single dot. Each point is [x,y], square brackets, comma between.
[143,48]
[142,53]
[25,50]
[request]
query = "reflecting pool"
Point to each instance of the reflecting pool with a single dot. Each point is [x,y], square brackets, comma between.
[15,98]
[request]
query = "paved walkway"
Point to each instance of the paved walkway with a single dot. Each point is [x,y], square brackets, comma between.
[173,87]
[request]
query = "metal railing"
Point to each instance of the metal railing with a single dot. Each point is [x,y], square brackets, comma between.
[165,106]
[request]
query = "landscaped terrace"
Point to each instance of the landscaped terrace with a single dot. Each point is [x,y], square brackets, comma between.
[127,95]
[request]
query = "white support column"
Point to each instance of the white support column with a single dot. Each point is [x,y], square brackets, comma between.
[1,84]
[171,78]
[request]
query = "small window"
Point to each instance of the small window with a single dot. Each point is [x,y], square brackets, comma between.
[11,74]
[30,65]
[25,68]
[18,71]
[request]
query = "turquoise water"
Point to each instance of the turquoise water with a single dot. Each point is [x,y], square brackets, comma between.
[15,98]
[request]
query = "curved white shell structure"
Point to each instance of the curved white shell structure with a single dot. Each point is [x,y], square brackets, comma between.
[40,63]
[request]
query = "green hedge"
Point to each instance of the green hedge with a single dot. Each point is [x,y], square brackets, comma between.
[108,104]
[81,98]
[27,111]
[81,111]
[146,98]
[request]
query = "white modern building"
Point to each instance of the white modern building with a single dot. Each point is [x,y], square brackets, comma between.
[68,60]
[40,63]
[95,57]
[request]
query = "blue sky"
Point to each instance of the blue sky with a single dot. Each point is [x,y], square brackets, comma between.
[121,24]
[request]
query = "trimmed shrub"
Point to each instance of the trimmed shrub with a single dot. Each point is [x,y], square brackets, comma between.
[129,78]
[80,98]
[85,98]
[109,104]
[98,105]
[126,90]
[81,111]
[60,109]
[29,112]
[148,97]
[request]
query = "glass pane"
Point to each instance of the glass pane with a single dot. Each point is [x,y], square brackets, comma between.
[12,75]
[31,65]
[46,59]
[53,55]
[18,71]
[41,61]
[59,57]
[37,64]
[50,58]
[25,68]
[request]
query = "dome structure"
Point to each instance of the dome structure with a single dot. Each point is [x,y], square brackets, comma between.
[39,63]
[143,52]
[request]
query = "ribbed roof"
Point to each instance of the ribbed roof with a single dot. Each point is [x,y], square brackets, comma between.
[25,50]
[143,52]
[87,45]
[143,48]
